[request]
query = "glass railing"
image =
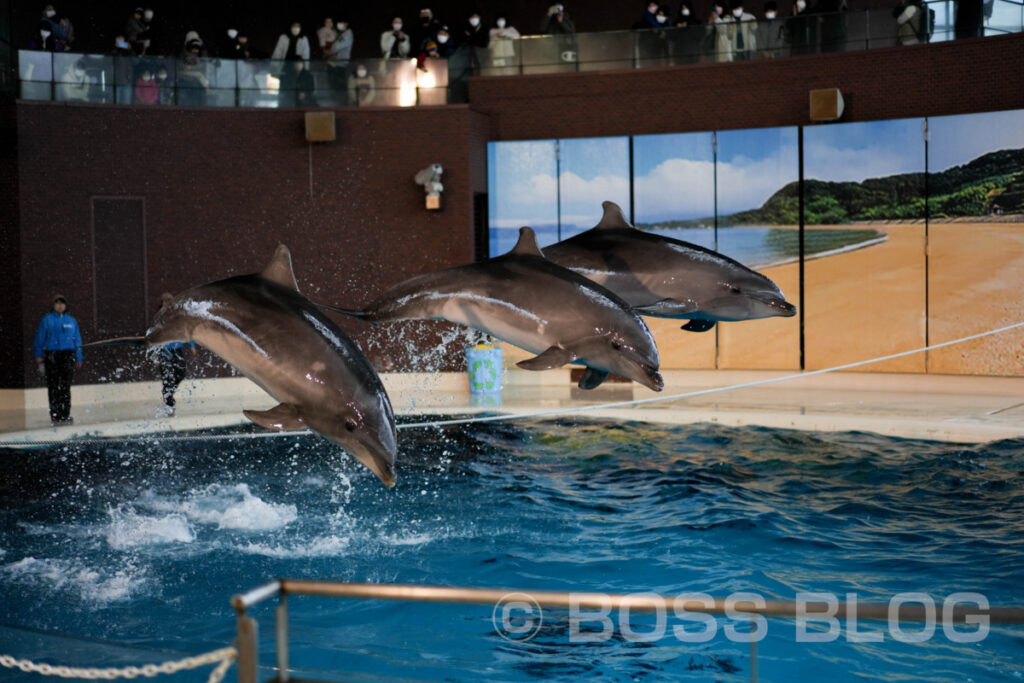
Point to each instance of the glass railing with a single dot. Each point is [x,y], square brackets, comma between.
[69,77]
[728,41]
[399,83]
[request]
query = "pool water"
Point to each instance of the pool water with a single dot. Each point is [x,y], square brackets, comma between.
[116,553]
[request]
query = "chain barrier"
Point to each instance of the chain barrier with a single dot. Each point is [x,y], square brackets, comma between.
[542,413]
[222,657]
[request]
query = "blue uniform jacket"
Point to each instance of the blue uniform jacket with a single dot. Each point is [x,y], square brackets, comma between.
[58,332]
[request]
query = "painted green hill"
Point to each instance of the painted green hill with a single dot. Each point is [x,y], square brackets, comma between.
[992,183]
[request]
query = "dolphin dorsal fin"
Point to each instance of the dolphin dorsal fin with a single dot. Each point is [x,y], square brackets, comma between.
[279,269]
[527,244]
[612,218]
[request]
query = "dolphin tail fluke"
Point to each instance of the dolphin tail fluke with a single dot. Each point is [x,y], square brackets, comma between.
[554,357]
[592,378]
[118,341]
[281,417]
[350,312]
[698,325]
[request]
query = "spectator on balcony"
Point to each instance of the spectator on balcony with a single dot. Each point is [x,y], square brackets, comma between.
[800,29]
[134,28]
[75,83]
[338,56]
[833,24]
[425,29]
[429,52]
[969,22]
[361,87]
[292,46]
[305,85]
[557,23]
[165,90]
[770,43]
[228,46]
[477,36]
[395,43]
[60,28]
[154,39]
[325,36]
[43,39]
[503,37]
[653,38]
[908,16]
[146,89]
[193,85]
[742,32]
[445,43]
[718,33]
[687,35]
[122,48]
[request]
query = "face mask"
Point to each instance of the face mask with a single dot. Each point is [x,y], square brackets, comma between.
[50,13]
[396,26]
[474,21]
[148,14]
[501,23]
[424,20]
[343,27]
[122,44]
[361,73]
[685,12]
[296,30]
[769,15]
[45,34]
[162,77]
[79,73]
[800,5]
[738,12]
[442,39]
[232,33]
[661,18]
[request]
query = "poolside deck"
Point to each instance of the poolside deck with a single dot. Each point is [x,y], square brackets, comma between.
[938,407]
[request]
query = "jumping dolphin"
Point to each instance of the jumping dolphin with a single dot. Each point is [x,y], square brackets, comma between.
[263,326]
[526,300]
[668,278]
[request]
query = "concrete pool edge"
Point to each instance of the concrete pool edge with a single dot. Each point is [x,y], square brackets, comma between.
[967,409]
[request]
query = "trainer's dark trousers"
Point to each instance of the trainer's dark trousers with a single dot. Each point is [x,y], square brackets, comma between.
[60,370]
[172,371]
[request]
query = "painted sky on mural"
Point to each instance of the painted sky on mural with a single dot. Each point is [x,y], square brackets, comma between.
[676,177]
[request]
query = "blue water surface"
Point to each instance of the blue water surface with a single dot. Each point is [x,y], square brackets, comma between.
[124,553]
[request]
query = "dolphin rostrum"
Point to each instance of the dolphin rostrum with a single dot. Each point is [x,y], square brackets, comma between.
[263,326]
[668,278]
[525,300]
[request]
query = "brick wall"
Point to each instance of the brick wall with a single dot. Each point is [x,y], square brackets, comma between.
[953,77]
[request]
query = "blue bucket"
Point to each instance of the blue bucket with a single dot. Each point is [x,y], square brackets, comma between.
[483,363]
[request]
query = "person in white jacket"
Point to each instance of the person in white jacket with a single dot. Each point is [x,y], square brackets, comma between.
[395,42]
[503,37]
[292,45]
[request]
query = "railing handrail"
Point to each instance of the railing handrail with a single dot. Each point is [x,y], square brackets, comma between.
[641,602]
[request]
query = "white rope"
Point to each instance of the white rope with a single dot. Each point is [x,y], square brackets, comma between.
[568,410]
[224,656]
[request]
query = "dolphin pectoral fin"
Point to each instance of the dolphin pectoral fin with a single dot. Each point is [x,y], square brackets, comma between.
[119,341]
[279,269]
[667,308]
[281,417]
[698,325]
[592,378]
[554,357]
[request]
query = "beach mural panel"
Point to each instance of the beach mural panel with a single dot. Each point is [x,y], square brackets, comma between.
[674,193]
[758,225]
[976,241]
[868,302]
[883,272]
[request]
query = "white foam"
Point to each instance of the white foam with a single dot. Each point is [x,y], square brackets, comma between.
[93,586]
[203,309]
[321,546]
[128,529]
[227,507]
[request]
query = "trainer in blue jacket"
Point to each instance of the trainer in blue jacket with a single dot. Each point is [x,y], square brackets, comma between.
[58,352]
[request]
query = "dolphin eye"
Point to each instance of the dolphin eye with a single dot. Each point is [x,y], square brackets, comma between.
[616,344]
[735,290]
[351,425]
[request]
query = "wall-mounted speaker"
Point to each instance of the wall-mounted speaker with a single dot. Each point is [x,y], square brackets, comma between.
[320,126]
[826,105]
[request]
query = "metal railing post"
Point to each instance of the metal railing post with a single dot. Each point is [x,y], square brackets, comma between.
[248,649]
[281,636]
